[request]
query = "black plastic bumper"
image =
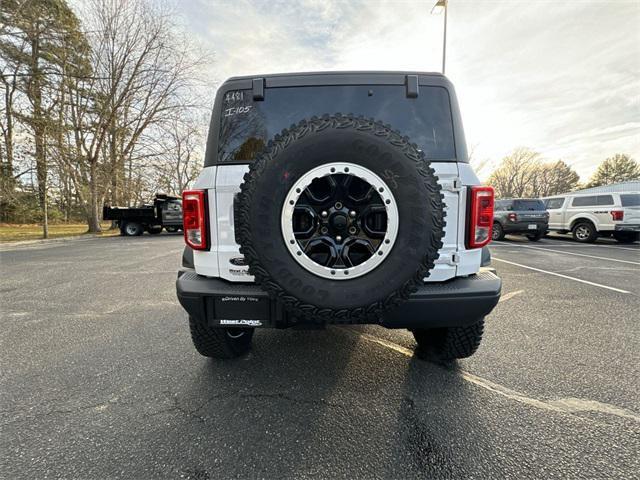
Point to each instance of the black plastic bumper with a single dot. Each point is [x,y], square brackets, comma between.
[457,302]
[629,227]
[523,227]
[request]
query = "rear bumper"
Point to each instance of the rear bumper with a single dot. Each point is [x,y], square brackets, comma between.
[457,302]
[523,227]
[629,227]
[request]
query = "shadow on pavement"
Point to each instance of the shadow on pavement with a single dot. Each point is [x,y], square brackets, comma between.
[322,403]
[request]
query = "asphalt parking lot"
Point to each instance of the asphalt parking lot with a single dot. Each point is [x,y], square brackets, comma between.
[99,378]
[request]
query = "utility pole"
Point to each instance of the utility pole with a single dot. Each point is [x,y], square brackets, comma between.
[438,8]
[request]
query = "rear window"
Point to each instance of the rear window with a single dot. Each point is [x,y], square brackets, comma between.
[528,205]
[592,201]
[501,206]
[630,200]
[246,126]
[553,203]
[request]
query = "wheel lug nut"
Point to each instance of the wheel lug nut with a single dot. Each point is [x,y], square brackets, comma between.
[324,213]
[338,205]
[324,230]
[352,213]
[352,230]
[338,238]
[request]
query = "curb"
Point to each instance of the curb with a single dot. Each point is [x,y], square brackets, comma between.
[46,241]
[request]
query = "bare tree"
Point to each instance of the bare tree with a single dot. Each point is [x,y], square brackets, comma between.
[101,113]
[140,73]
[522,174]
[180,161]
[555,178]
[514,176]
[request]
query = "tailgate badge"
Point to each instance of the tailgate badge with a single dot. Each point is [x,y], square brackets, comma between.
[238,261]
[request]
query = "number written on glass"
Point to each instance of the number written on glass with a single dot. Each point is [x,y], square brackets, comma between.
[229,112]
[235,96]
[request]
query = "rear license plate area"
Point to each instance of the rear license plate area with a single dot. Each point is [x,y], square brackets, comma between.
[240,311]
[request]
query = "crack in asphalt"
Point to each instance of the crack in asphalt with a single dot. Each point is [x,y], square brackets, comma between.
[194,413]
[98,407]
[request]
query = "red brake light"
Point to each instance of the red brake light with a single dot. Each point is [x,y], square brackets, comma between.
[617,215]
[480,217]
[194,219]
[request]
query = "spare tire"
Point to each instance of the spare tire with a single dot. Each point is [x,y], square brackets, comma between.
[340,219]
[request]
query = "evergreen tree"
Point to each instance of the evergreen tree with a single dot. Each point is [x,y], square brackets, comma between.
[619,168]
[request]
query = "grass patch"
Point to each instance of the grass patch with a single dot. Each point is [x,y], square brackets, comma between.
[15,233]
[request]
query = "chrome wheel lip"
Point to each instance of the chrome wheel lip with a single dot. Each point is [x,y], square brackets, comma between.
[386,245]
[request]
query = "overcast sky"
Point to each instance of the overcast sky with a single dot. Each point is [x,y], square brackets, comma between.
[561,76]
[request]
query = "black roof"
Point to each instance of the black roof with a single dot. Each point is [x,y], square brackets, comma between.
[335,72]
[365,77]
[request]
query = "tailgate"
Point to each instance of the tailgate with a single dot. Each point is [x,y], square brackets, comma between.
[631,216]
[533,217]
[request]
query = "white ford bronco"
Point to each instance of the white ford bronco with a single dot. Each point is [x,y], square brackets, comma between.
[337,198]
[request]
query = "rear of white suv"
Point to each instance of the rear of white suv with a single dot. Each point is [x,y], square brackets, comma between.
[589,215]
[338,218]
[627,221]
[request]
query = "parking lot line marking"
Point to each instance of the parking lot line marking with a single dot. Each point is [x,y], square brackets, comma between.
[600,245]
[579,254]
[386,343]
[561,275]
[562,405]
[498,243]
[509,295]
[559,244]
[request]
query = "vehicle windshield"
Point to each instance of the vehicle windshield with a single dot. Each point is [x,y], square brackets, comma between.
[528,205]
[630,200]
[246,126]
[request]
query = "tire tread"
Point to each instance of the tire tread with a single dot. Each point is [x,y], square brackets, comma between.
[215,343]
[451,343]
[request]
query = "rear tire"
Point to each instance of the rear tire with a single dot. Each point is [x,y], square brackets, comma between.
[584,232]
[626,237]
[220,342]
[449,343]
[536,237]
[497,232]
[133,229]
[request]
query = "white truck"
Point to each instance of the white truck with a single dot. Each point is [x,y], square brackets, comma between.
[613,210]
[305,216]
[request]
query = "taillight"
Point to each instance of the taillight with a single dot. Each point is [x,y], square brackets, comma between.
[194,219]
[480,217]
[513,217]
[617,215]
